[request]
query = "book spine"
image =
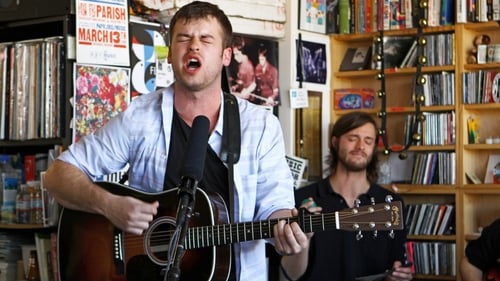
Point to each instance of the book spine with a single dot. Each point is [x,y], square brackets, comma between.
[344,10]
[361,16]
[53,256]
[447,12]
[408,14]
[332,12]
[352,15]
[29,168]
[461,11]
[375,12]
[496,10]
[401,16]
[489,11]
[483,11]
[4,86]
[432,19]
[410,255]
[369,15]
[471,11]
[386,15]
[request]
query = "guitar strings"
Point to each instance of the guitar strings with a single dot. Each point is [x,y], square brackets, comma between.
[205,236]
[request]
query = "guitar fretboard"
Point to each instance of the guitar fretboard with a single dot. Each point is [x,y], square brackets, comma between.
[378,217]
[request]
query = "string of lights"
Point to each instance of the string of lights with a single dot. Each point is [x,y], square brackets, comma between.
[418,95]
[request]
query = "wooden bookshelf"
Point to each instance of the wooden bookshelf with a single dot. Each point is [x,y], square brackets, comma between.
[27,24]
[476,204]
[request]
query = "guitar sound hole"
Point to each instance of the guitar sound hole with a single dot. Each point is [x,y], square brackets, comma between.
[157,239]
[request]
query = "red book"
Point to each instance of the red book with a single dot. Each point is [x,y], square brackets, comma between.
[410,255]
[369,15]
[29,168]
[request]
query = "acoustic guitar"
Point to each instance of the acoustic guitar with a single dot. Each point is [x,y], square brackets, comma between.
[91,248]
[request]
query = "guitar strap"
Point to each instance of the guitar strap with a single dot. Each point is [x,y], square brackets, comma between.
[231,143]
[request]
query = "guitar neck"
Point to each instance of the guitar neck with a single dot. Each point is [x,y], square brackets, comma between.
[385,216]
[223,234]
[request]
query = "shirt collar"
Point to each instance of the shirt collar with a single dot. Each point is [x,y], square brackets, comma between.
[325,190]
[220,120]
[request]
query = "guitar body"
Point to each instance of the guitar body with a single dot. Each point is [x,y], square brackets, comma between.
[91,248]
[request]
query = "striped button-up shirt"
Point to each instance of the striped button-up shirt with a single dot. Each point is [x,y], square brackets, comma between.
[139,137]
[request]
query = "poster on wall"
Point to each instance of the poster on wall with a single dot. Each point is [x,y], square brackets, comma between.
[311,62]
[148,58]
[253,71]
[312,15]
[102,32]
[100,94]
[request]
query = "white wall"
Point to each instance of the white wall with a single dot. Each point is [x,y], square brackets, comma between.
[287,73]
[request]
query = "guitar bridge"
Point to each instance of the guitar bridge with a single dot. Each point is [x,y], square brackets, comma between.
[118,255]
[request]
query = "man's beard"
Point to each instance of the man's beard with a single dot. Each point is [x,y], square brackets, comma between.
[354,166]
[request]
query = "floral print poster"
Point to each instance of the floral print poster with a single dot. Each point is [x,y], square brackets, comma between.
[101,92]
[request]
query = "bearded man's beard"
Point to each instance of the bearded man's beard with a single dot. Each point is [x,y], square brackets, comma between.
[354,166]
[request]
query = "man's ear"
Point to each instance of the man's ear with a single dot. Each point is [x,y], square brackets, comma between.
[334,142]
[227,54]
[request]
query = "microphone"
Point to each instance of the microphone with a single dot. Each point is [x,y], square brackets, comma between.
[194,160]
[191,174]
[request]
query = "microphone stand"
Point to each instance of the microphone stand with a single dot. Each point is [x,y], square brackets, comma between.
[186,194]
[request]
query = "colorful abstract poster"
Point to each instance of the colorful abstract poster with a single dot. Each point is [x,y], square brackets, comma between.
[312,15]
[100,94]
[147,57]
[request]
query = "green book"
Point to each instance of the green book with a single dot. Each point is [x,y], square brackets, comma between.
[344,16]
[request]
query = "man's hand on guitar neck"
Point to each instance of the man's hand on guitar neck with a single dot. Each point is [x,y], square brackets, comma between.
[293,244]
[289,238]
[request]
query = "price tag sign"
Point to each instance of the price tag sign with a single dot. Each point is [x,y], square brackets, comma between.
[298,98]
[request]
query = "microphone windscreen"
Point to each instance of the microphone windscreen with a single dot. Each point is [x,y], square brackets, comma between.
[194,160]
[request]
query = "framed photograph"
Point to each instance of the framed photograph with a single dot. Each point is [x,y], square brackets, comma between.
[253,73]
[311,62]
[312,15]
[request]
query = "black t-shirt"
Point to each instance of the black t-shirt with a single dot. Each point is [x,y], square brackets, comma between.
[337,254]
[214,172]
[484,252]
